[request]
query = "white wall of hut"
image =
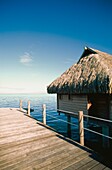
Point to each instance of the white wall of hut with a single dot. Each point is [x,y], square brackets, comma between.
[93,104]
[72,103]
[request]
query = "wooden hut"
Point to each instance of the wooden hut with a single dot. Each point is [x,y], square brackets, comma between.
[87,85]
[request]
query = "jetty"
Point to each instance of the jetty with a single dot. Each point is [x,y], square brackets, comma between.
[26,144]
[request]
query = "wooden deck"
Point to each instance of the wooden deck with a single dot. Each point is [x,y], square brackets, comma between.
[27,145]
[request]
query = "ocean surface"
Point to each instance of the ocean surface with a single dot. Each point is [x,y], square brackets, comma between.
[37,100]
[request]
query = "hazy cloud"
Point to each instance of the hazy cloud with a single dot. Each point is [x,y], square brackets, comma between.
[26,59]
[6,90]
[70,61]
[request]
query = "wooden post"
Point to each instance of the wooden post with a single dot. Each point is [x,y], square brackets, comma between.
[20,105]
[81,128]
[44,113]
[105,141]
[110,109]
[69,125]
[29,107]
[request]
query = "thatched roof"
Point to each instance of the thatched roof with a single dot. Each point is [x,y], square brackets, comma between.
[91,74]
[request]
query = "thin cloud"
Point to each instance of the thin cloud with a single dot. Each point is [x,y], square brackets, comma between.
[10,88]
[69,61]
[26,59]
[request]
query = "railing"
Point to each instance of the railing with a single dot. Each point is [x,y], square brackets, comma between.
[21,106]
[80,117]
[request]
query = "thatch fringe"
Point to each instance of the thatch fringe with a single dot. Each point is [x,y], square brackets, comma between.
[92,74]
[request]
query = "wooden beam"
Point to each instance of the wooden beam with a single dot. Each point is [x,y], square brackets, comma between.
[20,105]
[29,107]
[44,113]
[69,125]
[81,128]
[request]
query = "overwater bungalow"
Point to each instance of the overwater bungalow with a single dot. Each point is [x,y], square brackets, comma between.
[86,85]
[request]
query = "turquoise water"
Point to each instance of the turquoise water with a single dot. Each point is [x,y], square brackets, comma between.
[37,100]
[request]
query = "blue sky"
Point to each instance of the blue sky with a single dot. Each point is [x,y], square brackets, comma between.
[40,39]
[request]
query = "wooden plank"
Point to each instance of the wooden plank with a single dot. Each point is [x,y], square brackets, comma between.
[55,159]
[99,167]
[90,165]
[65,162]
[30,145]
[106,168]
[38,157]
[26,140]
[34,152]
[24,144]
[79,163]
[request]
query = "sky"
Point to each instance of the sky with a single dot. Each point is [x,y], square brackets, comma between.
[40,39]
